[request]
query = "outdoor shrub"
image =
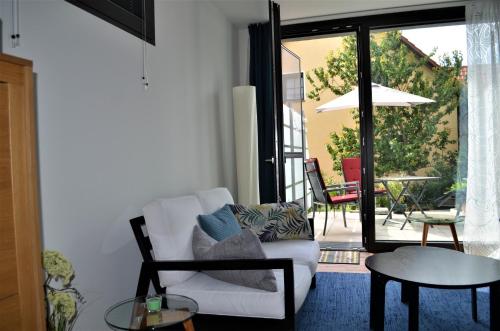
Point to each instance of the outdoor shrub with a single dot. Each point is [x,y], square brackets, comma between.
[343,145]
[446,168]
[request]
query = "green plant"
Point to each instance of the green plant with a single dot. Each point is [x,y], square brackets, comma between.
[460,189]
[458,186]
[343,145]
[405,139]
[63,301]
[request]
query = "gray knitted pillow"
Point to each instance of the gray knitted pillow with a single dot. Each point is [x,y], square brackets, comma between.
[242,246]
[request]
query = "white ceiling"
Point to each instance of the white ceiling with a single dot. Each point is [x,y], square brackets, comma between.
[243,12]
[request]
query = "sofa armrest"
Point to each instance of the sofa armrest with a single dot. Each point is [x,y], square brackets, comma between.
[286,264]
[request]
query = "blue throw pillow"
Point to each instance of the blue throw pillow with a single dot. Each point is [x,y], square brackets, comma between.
[221,224]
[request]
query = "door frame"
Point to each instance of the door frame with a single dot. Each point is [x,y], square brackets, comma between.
[277,83]
[362,26]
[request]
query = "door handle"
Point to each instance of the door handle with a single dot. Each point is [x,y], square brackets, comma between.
[271,160]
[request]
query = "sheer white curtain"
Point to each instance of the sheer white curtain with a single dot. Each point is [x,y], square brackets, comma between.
[482,225]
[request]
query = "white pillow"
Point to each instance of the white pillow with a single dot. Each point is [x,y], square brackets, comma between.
[170,224]
[214,199]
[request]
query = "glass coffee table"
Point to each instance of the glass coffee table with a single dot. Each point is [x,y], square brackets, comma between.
[132,314]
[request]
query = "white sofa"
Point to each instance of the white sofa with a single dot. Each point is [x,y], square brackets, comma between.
[170,225]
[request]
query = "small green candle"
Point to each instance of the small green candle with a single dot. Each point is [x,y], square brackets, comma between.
[153,303]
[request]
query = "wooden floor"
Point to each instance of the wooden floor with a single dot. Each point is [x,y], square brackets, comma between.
[355,268]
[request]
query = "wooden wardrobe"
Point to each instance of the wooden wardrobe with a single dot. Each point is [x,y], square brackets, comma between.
[21,276]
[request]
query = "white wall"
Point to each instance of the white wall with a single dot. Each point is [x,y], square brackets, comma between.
[243,56]
[106,146]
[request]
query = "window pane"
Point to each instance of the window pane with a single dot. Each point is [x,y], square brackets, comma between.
[288,173]
[299,191]
[415,133]
[298,169]
[286,139]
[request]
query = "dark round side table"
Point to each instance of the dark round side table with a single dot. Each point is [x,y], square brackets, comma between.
[132,314]
[416,266]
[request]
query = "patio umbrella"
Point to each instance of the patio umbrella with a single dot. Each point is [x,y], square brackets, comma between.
[381,96]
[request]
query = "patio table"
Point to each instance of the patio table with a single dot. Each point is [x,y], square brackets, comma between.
[414,197]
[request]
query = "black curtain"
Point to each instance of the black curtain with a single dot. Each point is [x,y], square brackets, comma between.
[261,78]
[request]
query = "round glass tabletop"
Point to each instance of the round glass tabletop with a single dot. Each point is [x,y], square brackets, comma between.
[436,220]
[132,314]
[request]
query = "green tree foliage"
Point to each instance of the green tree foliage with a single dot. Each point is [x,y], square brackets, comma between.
[405,139]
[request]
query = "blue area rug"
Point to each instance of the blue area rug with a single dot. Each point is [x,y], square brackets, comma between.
[341,301]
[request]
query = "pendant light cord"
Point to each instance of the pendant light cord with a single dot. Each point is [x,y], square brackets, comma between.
[13,21]
[145,81]
[18,40]
[15,24]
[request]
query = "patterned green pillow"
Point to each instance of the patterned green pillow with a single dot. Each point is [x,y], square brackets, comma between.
[274,221]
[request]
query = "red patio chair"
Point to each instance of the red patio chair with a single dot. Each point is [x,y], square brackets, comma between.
[351,168]
[321,192]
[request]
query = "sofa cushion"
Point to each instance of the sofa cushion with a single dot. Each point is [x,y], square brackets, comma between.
[301,251]
[214,199]
[221,224]
[274,221]
[221,298]
[243,246]
[170,224]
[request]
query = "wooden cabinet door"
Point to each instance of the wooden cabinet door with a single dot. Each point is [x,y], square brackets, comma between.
[21,291]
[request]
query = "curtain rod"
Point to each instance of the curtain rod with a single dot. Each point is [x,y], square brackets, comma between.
[386,10]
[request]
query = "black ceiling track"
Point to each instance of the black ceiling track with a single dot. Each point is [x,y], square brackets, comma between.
[381,21]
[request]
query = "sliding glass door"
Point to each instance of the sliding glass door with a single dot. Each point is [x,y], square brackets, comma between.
[409,117]
[418,74]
